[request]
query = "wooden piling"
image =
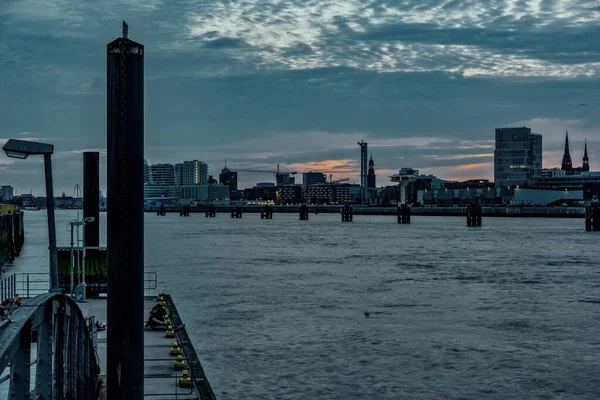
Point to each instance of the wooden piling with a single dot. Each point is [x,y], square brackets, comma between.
[303,212]
[592,217]
[403,214]
[347,213]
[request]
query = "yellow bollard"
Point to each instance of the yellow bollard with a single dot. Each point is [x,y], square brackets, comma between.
[179,364]
[175,350]
[185,381]
[170,333]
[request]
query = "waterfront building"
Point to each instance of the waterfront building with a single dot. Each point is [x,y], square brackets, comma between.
[289,194]
[371,177]
[178,170]
[218,192]
[318,194]
[156,190]
[345,193]
[268,193]
[7,193]
[162,174]
[560,179]
[517,157]
[189,193]
[313,178]
[195,173]
[229,178]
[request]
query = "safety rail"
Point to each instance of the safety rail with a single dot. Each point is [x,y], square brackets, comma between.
[31,284]
[199,379]
[67,363]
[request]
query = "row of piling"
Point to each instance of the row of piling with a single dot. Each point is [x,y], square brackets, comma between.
[474,215]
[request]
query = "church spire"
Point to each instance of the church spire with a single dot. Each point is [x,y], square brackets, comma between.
[586,160]
[567,164]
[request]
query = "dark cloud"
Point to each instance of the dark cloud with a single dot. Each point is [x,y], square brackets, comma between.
[300,81]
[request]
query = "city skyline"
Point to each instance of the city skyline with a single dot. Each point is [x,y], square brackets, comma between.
[307,85]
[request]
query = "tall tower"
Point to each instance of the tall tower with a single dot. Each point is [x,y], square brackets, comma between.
[567,164]
[371,179]
[586,161]
[125,218]
[363,170]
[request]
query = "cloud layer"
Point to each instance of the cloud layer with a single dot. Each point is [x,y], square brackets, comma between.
[298,82]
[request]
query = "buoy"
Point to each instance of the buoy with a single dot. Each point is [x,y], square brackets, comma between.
[170,333]
[175,350]
[185,381]
[179,364]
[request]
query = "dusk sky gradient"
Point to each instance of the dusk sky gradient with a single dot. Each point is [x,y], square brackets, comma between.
[299,82]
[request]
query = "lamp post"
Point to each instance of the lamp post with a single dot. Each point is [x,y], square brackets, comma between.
[22,149]
[81,270]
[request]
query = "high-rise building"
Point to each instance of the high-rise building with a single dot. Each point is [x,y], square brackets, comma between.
[162,174]
[178,174]
[517,157]
[229,178]
[195,173]
[313,178]
[7,193]
[371,178]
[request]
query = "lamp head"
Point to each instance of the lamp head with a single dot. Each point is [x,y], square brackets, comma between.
[22,148]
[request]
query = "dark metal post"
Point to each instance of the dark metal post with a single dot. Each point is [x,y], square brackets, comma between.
[125,219]
[91,197]
[51,224]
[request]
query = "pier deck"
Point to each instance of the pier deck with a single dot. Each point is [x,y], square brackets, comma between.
[160,379]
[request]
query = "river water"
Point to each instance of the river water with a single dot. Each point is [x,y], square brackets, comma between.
[276,308]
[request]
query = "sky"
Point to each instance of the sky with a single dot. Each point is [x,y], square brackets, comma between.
[299,82]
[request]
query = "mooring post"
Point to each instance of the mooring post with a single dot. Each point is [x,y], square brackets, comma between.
[125,219]
[303,212]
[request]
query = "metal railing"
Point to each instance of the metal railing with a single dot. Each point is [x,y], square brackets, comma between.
[31,284]
[66,366]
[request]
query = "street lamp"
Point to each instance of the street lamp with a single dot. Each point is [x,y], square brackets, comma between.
[22,149]
[78,223]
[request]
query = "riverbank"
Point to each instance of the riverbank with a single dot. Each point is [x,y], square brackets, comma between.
[522,212]
[12,237]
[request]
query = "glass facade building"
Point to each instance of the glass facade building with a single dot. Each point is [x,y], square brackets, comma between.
[517,157]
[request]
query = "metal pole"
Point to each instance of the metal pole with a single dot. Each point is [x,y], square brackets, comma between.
[54,287]
[125,220]
[72,261]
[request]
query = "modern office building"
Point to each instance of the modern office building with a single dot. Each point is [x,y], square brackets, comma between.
[317,194]
[178,168]
[218,192]
[162,174]
[229,178]
[7,193]
[290,194]
[517,157]
[313,178]
[194,173]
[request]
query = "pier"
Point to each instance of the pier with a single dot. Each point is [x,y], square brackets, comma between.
[49,321]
